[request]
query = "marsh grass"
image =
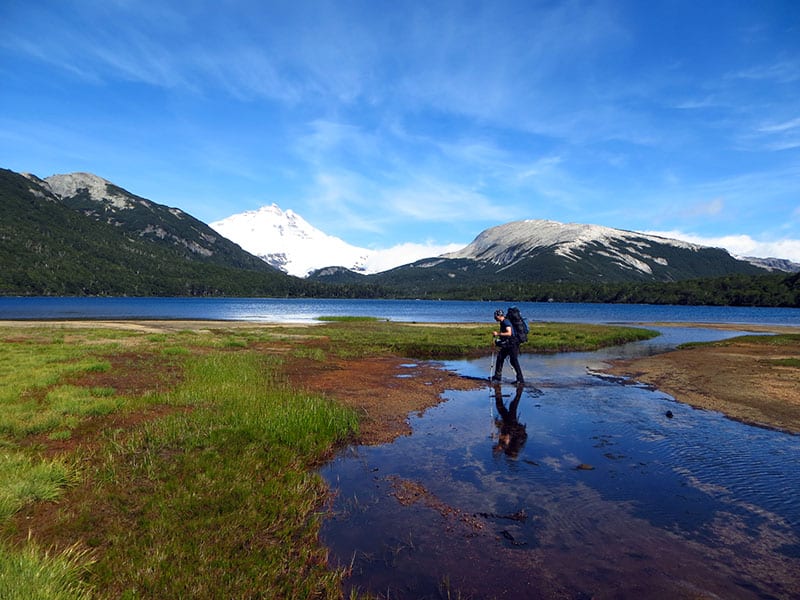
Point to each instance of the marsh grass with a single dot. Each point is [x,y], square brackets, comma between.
[781,339]
[31,573]
[786,362]
[216,498]
[232,504]
[349,319]
[446,341]
[24,479]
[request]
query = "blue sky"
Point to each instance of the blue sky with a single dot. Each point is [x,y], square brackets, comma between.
[388,122]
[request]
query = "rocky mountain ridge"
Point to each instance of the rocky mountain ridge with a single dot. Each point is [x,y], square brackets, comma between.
[505,245]
[167,226]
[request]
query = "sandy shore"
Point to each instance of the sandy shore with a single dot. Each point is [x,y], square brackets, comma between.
[746,381]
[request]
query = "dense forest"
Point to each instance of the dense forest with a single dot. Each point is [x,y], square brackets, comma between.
[781,290]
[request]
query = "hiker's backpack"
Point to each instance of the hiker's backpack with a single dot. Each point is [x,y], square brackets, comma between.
[518,323]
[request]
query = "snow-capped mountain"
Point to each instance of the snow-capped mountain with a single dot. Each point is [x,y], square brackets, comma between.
[504,245]
[288,242]
[530,249]
[548,251]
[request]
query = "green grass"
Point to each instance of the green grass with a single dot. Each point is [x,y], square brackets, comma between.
[778,340]
[30,573]
[445,341]
[217,497]
[346,319]
[786,362]
[226,496]
[24,479]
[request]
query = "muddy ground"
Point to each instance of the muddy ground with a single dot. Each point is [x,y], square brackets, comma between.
[744,381]
[383,390]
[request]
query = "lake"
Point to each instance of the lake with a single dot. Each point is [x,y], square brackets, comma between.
[431,311]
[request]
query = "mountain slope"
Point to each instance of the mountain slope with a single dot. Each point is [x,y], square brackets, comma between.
[79,234]
[537,251]
[49,248]
[597,252]
[168,227]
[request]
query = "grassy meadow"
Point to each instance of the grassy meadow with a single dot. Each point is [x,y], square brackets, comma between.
[159,462]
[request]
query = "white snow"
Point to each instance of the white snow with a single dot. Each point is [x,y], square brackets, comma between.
[287,241]
[511,242]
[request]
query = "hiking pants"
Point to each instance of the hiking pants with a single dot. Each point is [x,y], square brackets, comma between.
[512,352]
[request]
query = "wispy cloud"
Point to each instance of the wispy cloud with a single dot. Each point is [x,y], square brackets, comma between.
[782,71]
[417,117]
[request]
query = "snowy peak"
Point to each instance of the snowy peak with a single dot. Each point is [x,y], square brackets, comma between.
[287,241]
[494,244]
[507,244]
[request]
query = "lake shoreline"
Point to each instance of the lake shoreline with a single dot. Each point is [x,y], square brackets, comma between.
[744,381]
[738,380]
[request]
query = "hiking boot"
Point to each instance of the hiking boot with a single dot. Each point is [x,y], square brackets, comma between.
[496,379]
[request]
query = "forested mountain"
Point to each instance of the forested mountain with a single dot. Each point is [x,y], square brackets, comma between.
[118,245]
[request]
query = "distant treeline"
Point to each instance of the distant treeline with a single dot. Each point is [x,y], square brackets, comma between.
[777,290]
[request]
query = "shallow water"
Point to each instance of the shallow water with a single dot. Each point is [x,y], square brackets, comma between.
[574,486]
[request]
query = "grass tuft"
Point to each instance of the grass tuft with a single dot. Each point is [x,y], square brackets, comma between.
[24,479]
[33,574]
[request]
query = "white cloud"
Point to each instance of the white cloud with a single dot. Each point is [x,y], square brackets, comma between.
[785,71]
[382,260]
[428,199]
[710,208]
[741,245]
[784,126]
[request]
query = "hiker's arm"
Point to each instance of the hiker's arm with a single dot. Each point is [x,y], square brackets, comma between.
[504,332]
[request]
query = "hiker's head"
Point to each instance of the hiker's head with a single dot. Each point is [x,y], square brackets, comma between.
[498,315]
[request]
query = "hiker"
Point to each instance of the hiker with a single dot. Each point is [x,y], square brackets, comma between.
[512,435]
[508,343]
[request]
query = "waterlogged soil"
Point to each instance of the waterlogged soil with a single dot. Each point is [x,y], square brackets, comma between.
[745,381]
[383,390]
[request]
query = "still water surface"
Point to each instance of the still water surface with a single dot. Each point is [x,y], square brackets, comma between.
[300,310]
[574,486]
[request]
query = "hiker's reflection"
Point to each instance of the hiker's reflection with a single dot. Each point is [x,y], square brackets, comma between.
[512,435]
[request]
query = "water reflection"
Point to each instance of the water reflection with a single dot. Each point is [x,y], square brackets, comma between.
[579,487]
[511,434]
